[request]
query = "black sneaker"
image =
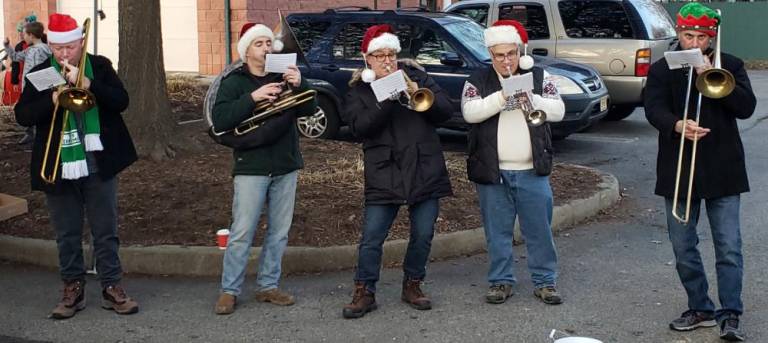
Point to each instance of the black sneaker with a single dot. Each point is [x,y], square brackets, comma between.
[691,320]
[729,329]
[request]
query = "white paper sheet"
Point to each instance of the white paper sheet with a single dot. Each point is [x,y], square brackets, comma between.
[684,58]
[391,84]
[279,63]
[45,79]
[517,84]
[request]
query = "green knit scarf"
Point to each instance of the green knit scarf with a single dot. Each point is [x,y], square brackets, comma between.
[73,163]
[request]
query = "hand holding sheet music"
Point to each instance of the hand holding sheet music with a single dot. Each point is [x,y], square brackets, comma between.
[684,58]
[45,79]
[517,84]
[387,86]
[279,63]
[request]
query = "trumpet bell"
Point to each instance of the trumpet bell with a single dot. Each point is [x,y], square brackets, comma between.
[536,118]
[715,83]
[422,99]
[77,99]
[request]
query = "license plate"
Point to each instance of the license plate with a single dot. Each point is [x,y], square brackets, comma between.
[603,103]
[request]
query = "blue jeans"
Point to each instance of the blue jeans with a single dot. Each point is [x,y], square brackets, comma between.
[251,192]
[378,221]
[723,216]
[528,196]
[95,199]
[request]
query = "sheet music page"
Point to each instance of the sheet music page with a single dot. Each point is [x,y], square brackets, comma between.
[517,83]
[393,83]
[45,79]
[278,63]
[684,58]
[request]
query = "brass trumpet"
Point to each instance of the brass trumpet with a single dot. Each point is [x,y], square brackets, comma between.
[713,83]
[419,99]
[72,99]
[533,117]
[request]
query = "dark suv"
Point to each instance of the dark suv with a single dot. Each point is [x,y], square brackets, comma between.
[448,46]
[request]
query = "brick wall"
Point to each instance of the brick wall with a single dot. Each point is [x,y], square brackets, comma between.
[15,10]
[210,21]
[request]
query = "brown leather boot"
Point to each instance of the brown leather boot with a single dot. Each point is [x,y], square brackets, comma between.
[363,301]
[225,304]
[72,300]
[413,295]
[114,298]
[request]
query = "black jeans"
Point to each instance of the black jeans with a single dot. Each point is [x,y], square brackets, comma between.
[97,199]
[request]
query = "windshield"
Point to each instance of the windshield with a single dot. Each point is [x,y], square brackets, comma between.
[470,34]
[657,21]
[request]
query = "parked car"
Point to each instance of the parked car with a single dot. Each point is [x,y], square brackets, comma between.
[448,46]
[620,38]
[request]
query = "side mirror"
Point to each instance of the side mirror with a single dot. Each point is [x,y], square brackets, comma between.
[451,59]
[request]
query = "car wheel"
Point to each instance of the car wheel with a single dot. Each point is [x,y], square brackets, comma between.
[619,112]
[324,123]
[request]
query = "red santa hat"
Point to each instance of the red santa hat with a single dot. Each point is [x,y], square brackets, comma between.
[375,38]
[250,31]
[63,29]
[509,32]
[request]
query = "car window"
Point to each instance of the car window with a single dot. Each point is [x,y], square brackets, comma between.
[421,44]
[656,19]
[595,19]
[307,31]
[532,16]
[346,44]
[477,13]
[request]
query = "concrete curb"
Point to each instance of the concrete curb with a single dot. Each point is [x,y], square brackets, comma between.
[207,261]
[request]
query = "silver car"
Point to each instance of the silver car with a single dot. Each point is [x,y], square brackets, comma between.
[619,38]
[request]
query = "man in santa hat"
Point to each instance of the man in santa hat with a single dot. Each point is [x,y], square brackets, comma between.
[720,174]
[263,172]
[510,162]
[404,165]
[96,147]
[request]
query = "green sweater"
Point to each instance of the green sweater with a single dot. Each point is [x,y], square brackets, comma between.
[234,104]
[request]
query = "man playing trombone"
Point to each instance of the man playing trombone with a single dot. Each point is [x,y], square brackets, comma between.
[510,159]
[717,174]
[76,157]
[266,171]
[404,165]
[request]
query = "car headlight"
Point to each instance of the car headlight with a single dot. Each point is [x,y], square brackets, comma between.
[566,85]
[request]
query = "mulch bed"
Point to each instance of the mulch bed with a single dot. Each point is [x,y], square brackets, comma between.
[185,200]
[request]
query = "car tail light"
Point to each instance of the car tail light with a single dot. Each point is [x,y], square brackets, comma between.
[642,62]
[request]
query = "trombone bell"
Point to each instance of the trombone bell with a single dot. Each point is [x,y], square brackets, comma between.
[715,83]
[77,100]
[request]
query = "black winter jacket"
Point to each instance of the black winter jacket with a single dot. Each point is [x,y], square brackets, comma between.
[403,158]
[36,108]
[720,168]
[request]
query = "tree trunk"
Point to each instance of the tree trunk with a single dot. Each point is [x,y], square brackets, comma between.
[149,116]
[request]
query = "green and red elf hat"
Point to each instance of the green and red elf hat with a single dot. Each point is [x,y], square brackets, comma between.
[697,17]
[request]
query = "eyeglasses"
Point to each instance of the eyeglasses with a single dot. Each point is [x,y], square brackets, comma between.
[381,57]
[501,57]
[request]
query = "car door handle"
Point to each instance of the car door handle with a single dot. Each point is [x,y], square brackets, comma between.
[330,67]
[540,52]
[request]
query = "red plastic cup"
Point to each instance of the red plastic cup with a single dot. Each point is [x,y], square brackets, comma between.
[221,238]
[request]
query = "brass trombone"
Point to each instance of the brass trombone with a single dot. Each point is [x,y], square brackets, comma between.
[71,99]
[713,83]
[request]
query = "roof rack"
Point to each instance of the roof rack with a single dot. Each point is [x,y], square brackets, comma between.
[346,9]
